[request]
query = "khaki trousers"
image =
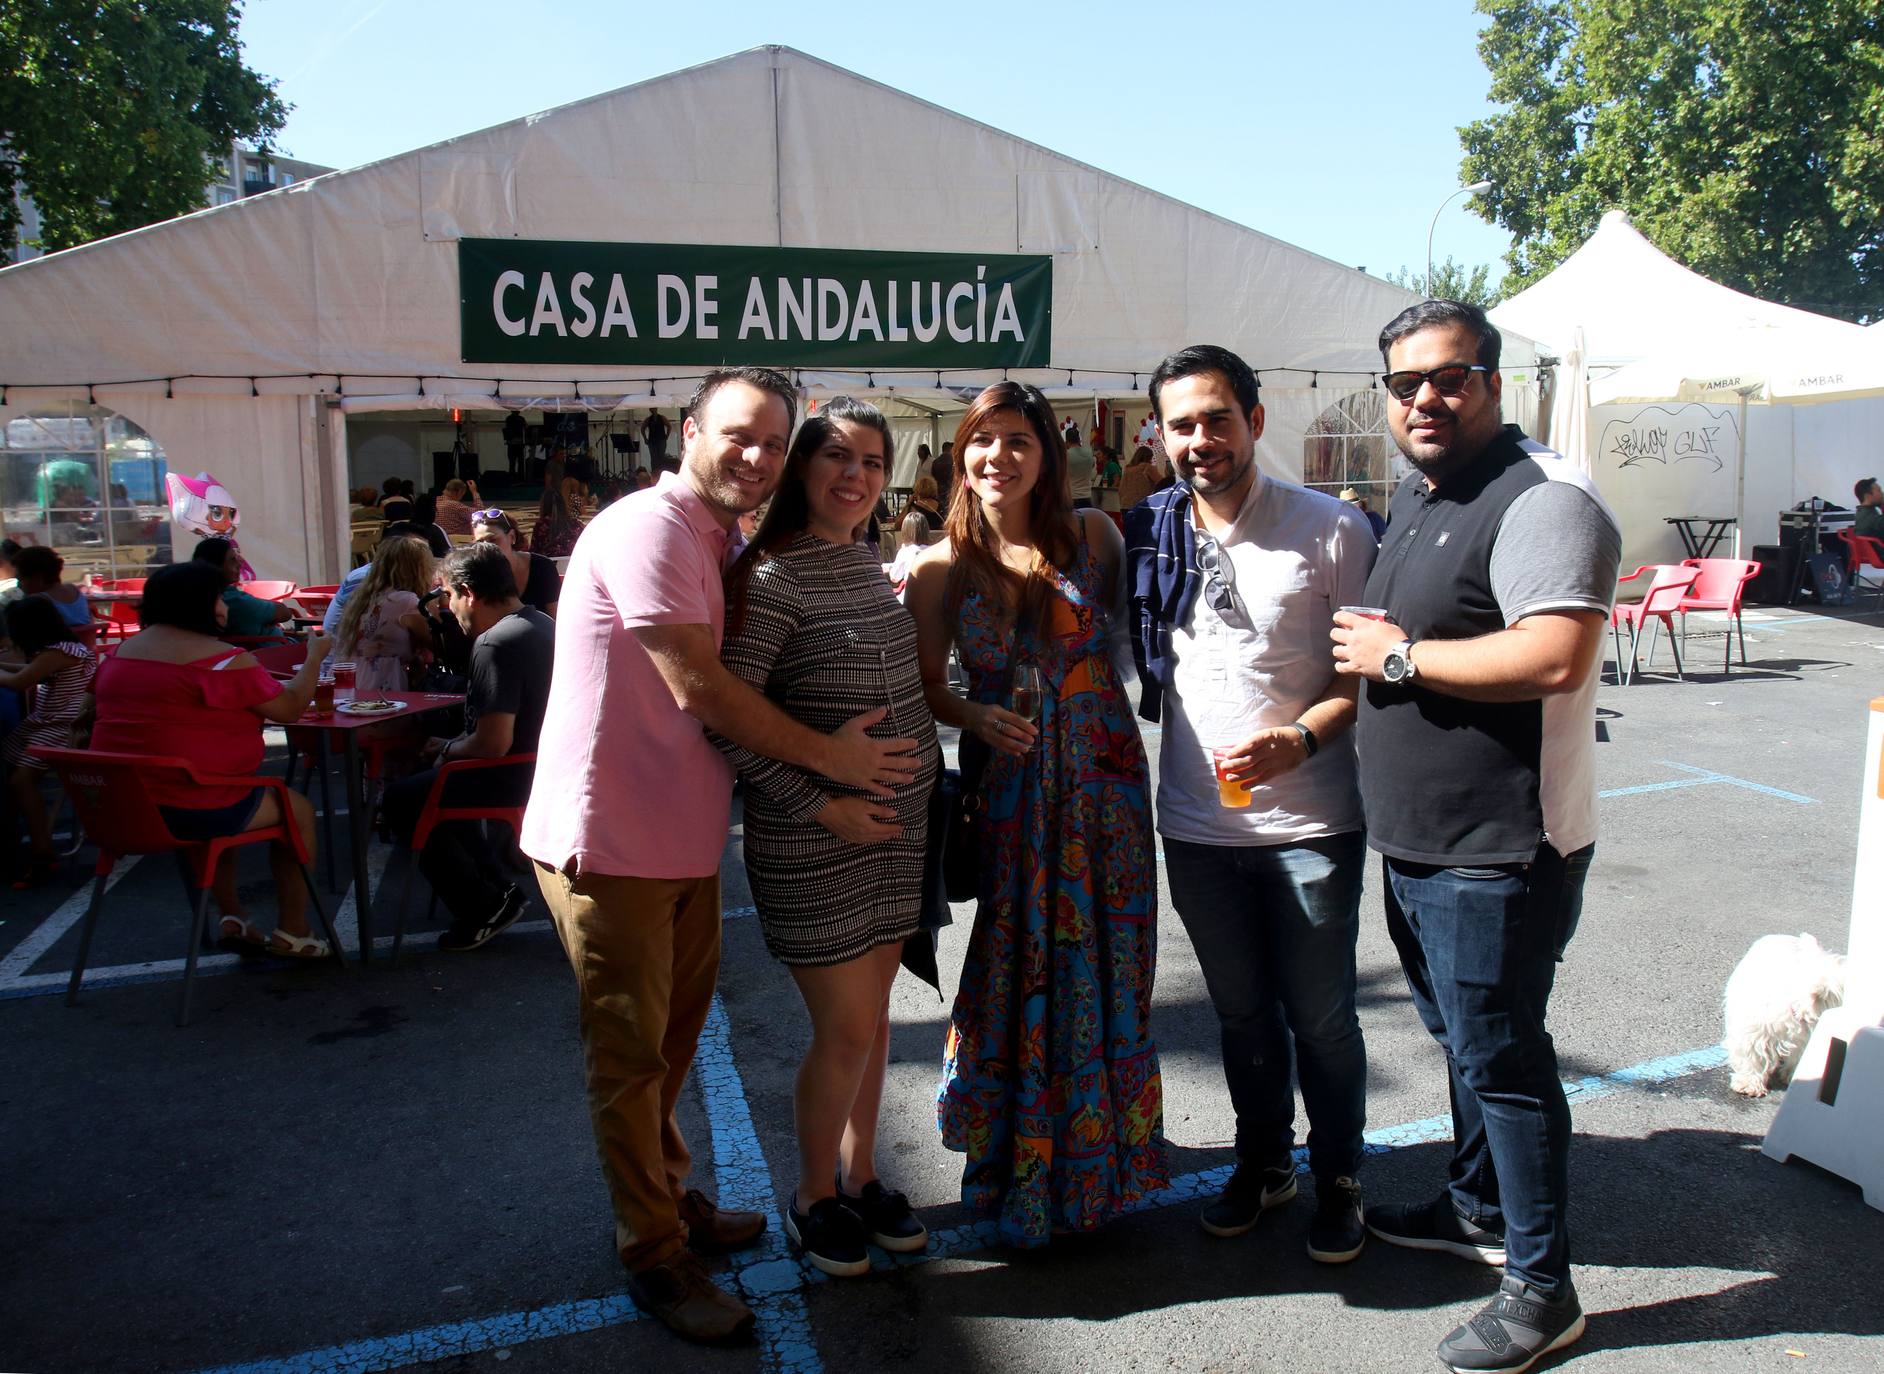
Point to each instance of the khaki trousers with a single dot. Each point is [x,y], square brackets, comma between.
[646,952]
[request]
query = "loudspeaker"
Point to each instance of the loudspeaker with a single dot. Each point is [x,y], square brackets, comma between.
[1773,584]
[444,468]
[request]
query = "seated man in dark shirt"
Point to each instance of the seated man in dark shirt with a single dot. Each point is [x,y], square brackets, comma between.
[1870,518]
[511,655]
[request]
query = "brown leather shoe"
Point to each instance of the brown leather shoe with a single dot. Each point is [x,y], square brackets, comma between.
[678,1291]
[713,1232]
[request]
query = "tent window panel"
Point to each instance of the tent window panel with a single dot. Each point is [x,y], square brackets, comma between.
[90,484]
[1348,445]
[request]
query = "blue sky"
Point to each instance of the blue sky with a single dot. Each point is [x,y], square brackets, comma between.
[1330,125]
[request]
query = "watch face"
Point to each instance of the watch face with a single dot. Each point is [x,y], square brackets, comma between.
[1393,667]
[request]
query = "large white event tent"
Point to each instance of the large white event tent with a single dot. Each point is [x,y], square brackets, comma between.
[283,341]
[1618,300]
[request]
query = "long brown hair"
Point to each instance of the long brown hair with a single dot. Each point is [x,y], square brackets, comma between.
[789,513]
[401,565]
[1049,513]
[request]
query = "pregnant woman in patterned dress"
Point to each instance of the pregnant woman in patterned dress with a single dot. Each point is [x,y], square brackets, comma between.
[1050,1080]
[836,876]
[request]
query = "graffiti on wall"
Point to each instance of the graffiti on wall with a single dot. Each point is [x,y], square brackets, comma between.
[1660,434]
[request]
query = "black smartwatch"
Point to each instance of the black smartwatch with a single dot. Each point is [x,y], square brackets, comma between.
[1309,743]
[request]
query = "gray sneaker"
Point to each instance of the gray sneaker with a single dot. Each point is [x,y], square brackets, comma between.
[1513,1331]
[1252,1190]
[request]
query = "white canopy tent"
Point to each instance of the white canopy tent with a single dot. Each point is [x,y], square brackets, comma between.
[1656,452]
[250,339]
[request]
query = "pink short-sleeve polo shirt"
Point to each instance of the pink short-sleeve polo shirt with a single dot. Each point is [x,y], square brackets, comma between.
[626,782]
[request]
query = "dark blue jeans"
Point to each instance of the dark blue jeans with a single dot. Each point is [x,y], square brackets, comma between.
[1274,928]
[1480,947]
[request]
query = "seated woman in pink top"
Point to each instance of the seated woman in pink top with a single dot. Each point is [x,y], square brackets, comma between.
[382,632]
[175,689]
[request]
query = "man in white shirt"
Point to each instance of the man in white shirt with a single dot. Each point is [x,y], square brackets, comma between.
[1236,577]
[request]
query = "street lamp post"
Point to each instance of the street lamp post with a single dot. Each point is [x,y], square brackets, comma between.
[1473,189]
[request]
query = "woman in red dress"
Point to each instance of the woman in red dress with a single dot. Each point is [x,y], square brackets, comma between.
[175,689]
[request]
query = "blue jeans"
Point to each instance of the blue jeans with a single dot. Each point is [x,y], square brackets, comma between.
[1480,947]
[1274,928]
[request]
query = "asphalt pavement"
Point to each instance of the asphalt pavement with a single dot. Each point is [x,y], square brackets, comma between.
[392,1167]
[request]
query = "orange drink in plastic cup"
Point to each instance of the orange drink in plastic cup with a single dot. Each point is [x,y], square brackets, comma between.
[1230,792]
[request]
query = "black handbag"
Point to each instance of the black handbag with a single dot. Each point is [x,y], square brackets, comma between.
[963,805]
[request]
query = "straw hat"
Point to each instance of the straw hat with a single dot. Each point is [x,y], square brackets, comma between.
[1350,495]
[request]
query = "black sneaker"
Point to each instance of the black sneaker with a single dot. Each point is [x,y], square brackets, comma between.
[887,1218]
[461,937]
[1250,1192]
[831,1235]
[1337,1234]
[1513,1331]
[1436,1225]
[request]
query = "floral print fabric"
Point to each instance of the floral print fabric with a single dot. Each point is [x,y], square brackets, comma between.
[1050,1081]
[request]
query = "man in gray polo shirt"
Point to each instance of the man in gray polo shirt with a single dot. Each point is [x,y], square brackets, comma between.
[1476,729]
[1235,579]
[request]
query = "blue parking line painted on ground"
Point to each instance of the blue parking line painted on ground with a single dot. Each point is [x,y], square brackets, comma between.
[1705,777]
[1709,775]
[769,1276]
[773,1280]
[450,1339]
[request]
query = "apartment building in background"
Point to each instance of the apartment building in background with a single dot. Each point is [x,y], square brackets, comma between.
[242,172]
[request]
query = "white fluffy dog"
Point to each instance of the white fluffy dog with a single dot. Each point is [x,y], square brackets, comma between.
[1773,1000]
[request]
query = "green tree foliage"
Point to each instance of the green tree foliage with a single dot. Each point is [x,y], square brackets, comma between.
[1452,281]
[1744,137]
[113,113]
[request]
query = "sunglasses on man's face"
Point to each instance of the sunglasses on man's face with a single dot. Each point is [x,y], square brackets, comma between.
[1449,380]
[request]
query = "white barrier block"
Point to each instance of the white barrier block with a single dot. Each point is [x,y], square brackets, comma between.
[1833,1114]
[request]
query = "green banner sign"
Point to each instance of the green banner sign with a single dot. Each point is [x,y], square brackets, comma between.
[697,305]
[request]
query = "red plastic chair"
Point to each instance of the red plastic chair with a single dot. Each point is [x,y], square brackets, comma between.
[1668,586]
[111,794]
[120,584]
[435,813]
[269,591]
[120,622]
[1862,551]
[280,660]
[1721,584]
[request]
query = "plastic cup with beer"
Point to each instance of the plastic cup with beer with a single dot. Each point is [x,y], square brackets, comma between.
[343,681]
[1231,793]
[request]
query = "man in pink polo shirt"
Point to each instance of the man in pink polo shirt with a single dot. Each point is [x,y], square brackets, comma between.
[629,812]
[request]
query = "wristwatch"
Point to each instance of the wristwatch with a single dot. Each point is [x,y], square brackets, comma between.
[1398,664]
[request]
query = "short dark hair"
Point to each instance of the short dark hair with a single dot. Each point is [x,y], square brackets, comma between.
[34,623]
[483,570]
[425,508]
[390,486]
[183,596]
[1188,362]
[1431,314]
[765,378]
[1863,489]
[213,551]
[9,550]
[38,561]
[401,529]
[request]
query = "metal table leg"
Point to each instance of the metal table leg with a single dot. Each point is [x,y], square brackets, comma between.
[359,828]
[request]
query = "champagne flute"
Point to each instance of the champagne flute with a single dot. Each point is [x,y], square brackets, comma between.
[1027,692]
